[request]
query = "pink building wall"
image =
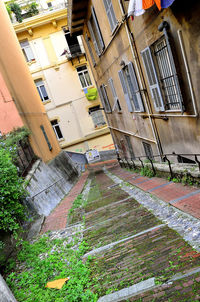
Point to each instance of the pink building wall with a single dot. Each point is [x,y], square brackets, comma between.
[9,116]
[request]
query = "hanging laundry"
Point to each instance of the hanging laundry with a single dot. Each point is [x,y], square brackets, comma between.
[166,3]
[135,8]
[148,3]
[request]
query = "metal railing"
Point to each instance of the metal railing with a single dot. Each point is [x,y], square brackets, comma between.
[130,162]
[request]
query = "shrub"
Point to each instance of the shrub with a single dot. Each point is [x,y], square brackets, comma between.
[16,9]
[11,194]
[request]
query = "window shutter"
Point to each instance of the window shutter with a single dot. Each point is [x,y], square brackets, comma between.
[90,50]
[98,29]
[137,99]
[110,13]
[94,39]
[110,81]
[104,99]
[152,79]
[123,83]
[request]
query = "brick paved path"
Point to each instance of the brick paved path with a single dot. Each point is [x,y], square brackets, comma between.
[185,198]
[130,244]
[58,218]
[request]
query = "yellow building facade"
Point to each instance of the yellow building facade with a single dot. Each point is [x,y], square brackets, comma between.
[63,78]
[22,90]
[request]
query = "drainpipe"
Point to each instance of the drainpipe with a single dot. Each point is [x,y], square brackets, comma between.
[154,130]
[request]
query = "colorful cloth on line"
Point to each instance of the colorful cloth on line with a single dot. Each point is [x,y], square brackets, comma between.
[148,3]
[166,3]
[135,8]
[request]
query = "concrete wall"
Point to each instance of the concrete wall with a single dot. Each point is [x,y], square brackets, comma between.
[5,293]
[48,184]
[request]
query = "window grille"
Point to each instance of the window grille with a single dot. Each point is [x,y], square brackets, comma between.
[41,90]
[167,77]
[111,14]
[148,150]
[104,99]
[84,76]
[97,116]
[27,51]
[161,74]
[57,129]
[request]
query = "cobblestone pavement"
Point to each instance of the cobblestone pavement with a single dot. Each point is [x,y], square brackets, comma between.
[136,255]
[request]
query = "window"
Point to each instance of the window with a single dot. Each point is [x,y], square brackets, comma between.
[162,77]
[42,90]
[27,51]
[104,99]
[57,129]
[49,4]
[130,148]
[72,42]
[131,88]
[97,116]
[111,14]
[115,97]
[148,150]
[95,33]
[84,76]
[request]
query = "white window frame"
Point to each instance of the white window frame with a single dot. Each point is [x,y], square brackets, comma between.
[27,51]
[55,130]
[39,83]
[82,72]
[110,14]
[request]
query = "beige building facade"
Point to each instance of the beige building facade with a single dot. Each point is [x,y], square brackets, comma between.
[147,72]
[62,75]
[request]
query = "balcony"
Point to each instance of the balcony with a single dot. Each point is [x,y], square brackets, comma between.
[41,9]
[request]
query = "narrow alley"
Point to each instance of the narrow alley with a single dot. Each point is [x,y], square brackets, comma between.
[137,256]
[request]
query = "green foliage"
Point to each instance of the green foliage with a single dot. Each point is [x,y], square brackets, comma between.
[16,9]
[32,9]
[9,10]
[47,260]
[78,203]
[11,194]
[146,171]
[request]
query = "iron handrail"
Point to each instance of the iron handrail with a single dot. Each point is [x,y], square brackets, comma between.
[125,161]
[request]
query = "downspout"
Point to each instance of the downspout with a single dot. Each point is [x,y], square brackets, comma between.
[155,134]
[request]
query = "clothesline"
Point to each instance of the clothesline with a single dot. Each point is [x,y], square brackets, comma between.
[138,7]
